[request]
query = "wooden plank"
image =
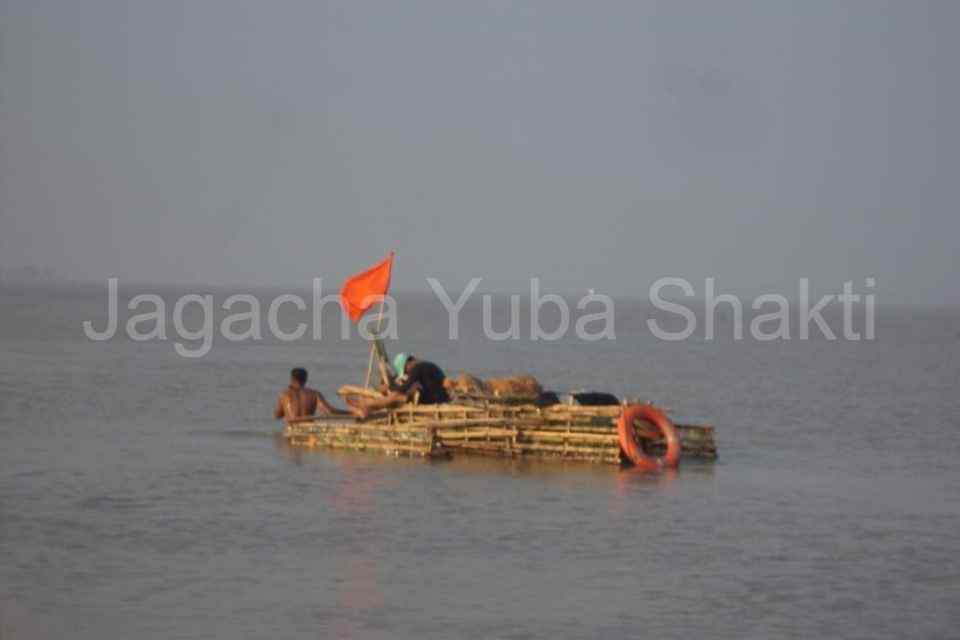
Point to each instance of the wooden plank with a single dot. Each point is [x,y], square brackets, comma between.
[572,436]
[331,418]
[359,427]
[386,447]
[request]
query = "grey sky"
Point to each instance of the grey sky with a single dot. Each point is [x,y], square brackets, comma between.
[598,144]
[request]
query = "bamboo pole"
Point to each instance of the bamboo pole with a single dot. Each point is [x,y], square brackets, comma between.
[387,447]
[366,383]
[358,427]
[331,418]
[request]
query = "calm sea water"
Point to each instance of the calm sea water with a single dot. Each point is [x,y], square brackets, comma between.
[144,495]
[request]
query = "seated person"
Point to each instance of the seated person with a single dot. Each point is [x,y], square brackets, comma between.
[299,401]
[412,376]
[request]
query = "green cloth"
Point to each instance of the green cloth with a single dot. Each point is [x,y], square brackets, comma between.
[399,362]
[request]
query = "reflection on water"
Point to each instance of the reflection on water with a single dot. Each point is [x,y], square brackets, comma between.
[358,587]
[622,477]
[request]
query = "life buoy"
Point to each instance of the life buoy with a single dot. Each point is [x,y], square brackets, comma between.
[632,449]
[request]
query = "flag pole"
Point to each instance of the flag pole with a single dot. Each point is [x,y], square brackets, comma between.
[373,345]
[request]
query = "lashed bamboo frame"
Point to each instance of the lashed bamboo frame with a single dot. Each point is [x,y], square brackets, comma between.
[567,432]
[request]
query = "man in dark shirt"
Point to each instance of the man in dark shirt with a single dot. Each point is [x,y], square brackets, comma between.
[413,376]
[422,376]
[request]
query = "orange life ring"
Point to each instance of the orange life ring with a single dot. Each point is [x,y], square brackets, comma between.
[632,449]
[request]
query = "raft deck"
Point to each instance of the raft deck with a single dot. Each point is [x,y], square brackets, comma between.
[562,432]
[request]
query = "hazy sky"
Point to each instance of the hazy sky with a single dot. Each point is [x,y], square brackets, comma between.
[594,144]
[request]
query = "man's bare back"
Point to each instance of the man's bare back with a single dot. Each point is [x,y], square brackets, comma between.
[299,401]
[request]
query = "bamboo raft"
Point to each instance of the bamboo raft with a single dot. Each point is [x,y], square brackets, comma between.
[494,427]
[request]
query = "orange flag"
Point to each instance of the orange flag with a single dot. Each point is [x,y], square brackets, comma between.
[365,289]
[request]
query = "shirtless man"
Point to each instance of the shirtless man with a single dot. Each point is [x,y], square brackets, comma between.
[300,401]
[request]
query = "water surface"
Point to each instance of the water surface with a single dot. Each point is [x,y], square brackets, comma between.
[145,495]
